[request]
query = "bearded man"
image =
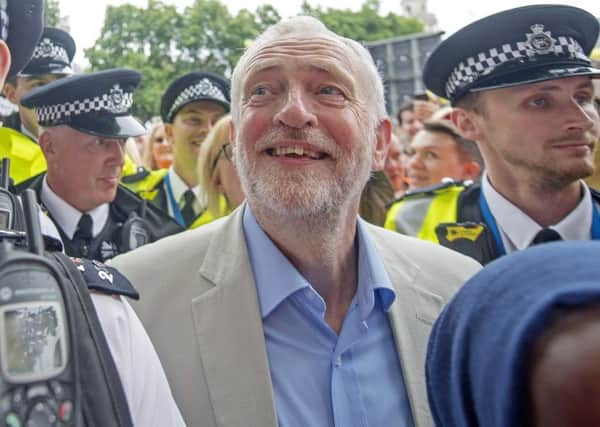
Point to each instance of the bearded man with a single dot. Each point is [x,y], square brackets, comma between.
[293,278]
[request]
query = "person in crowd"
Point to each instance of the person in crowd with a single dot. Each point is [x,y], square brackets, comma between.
[521,85]
[189,108]
[218,177]
[143,381]
[377,194]
[438,152]
[50,60]
[293,277]
[84,150]
[394,166]
[409,124]
[157,152]
[521,332]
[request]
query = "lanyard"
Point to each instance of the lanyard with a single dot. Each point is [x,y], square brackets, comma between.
[173,202]
[493,226]
[489,219]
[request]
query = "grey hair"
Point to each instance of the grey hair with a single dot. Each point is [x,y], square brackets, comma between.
[306,27]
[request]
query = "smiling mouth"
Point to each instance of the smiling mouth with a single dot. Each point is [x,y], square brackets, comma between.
[296,153]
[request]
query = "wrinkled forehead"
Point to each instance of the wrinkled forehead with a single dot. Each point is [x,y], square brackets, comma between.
[323,52]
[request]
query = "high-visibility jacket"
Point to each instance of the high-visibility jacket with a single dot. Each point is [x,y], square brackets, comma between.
[26,157]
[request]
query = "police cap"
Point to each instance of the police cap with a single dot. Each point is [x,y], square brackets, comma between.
[52,55]
[21,23]
[95,103]
[514,47]
[191,87]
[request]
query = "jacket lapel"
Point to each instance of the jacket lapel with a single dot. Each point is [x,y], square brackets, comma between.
[227,318]
[411,316]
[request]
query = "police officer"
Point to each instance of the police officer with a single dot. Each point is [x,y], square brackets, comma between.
[86,122]
[50,60]
[521,84]
[142,378]
[191,105]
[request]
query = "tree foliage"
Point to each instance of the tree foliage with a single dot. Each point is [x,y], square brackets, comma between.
[365,25]
[163,42]
[51,13]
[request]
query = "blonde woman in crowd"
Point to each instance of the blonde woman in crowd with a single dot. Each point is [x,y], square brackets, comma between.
[158,152]
[217,175]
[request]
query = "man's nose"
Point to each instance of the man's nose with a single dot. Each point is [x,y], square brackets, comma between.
[297,111]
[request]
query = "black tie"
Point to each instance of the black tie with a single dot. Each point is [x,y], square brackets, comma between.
[84,228]
[188,207]
[545,235]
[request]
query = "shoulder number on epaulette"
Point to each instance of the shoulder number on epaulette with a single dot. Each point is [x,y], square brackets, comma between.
[105,279]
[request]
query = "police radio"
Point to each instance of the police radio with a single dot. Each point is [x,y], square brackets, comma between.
[38,374]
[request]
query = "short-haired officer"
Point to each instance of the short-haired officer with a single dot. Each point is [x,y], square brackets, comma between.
[190,107]
[521,84]
[147,393]
[50,60]
[86,122]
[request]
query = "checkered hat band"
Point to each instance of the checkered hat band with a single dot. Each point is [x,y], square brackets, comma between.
[4,20]
[60,113]
[202,89]
[52,51]
[484,63]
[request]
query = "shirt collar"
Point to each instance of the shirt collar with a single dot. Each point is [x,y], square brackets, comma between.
[518,229]
[277,279]
[67,217]
[179,187]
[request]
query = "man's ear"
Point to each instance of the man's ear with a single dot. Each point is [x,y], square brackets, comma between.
[383,138]
[465,122]
[46,144]
[471,170]
[5,61]
[169,132]
[232,138]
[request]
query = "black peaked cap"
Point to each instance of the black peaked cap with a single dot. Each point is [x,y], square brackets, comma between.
[95,103]
[514,47]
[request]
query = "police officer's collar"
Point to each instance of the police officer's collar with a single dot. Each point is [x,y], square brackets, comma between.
[96,103]
[515,47]
[66,216]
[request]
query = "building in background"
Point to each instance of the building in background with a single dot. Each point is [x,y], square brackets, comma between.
[400,61]
[418,9]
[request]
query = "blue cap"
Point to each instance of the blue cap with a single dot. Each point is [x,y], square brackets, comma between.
[515,47]
[95,103]
[192,87]
[21,23]
[52,55]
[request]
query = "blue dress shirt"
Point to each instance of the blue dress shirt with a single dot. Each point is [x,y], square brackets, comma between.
[320,378]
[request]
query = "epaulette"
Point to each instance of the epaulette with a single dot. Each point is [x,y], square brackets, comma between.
[105,279]
[140,174]
[432,190]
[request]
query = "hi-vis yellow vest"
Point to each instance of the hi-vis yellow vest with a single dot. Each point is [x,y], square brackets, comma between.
[148,188]
[418,214]
[26,157]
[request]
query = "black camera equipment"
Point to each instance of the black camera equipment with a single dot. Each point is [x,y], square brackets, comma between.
[56,368]
[38,374]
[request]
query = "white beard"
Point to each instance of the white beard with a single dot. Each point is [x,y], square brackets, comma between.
[304,193]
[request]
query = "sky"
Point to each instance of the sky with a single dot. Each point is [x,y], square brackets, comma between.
[86,17]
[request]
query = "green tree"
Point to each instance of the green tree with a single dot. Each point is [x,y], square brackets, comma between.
[51,13]
[367,24]
[163,43]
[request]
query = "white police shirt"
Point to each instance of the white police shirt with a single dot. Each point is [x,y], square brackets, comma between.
[146,388]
